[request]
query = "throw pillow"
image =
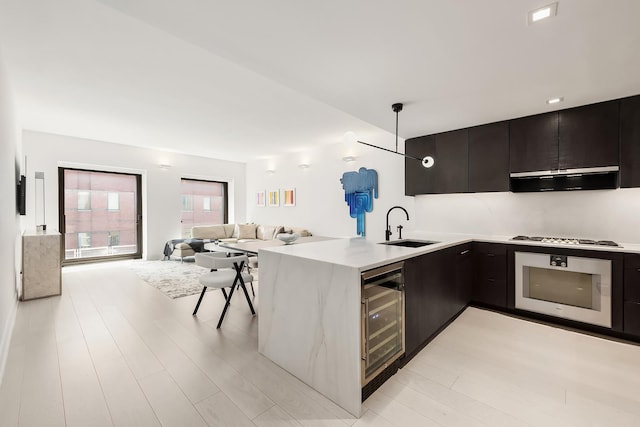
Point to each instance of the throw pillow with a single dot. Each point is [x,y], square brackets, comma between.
[246,231]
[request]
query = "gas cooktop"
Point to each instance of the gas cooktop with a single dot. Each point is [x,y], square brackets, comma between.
[567,241]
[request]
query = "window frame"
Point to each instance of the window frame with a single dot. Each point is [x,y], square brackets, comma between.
[139,218]
[225,197]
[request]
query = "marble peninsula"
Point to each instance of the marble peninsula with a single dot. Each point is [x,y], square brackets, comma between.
[309,311]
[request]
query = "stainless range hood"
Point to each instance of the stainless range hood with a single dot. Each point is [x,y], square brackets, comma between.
[600,178]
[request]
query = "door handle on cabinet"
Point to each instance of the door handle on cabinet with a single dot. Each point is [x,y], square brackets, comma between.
[467,251]
[491,254]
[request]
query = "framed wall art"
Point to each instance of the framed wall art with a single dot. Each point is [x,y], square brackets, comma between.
[289,197]
[274,198]
[261,200]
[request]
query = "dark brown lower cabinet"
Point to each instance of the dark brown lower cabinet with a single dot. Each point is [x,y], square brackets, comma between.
[437,287]
[632,318]
[631,284]
[490,274]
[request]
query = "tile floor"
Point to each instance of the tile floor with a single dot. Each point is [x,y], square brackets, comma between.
[114,351]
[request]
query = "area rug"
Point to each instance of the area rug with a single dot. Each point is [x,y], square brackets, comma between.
[173,278]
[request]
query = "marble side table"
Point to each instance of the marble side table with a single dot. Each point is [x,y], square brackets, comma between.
[41,270]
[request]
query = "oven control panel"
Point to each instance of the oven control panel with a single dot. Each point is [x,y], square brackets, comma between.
[558,261]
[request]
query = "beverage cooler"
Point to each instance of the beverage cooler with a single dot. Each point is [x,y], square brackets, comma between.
[382,319]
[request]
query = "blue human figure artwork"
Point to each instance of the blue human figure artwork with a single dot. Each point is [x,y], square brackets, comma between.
[360,188]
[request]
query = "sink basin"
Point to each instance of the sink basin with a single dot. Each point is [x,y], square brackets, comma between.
[409,243]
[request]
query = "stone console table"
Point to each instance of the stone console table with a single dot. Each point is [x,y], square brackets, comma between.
[41,270]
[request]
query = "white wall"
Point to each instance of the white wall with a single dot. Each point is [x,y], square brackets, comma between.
[10,250]
[603,214]
[161,188]
[320,203]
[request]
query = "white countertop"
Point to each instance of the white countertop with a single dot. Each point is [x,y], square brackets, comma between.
[363,254]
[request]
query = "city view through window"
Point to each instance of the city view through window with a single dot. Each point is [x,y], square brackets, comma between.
[203,203]
[100,214]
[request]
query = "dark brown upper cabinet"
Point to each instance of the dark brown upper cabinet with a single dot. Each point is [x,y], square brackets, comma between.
[417,179]
[489,157]
[534,143]
[589,136]
[449,174]
[630,142]
[452,162]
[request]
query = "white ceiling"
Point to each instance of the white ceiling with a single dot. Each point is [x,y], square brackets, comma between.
[242,79]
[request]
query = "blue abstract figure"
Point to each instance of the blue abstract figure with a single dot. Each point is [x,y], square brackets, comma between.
[360,188]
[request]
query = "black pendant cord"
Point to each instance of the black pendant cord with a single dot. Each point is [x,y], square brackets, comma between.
[397,131]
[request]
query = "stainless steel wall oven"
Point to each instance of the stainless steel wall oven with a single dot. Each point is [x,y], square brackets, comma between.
[570,287]
[382,326]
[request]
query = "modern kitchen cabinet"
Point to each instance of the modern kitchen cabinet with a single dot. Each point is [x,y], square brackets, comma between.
[580,137]
[533,143]
[489,157]
[589,136]
[417,179]
[449,174]
[423,291]
[437,287]
[631,284]
[452,162]
[490,274]
[630,142]
[462,256]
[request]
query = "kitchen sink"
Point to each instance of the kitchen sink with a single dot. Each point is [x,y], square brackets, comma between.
[409,243]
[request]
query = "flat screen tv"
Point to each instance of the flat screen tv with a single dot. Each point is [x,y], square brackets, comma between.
[21,195]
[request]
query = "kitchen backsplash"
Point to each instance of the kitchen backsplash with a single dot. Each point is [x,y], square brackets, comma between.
[601,214]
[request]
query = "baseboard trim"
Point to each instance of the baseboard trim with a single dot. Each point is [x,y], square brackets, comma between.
[5,341]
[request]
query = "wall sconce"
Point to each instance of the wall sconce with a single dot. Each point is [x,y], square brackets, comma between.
[349,159]
[303,166]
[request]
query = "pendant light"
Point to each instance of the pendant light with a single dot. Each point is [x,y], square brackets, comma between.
[426,161]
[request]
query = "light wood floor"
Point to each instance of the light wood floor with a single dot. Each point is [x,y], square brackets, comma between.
[114,351]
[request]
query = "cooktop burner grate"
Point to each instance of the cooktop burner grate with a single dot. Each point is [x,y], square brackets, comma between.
[566,240]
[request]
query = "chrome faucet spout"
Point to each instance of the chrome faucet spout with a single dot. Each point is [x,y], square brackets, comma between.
[387,232]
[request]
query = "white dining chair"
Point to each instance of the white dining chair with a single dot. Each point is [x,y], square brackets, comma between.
[225,272]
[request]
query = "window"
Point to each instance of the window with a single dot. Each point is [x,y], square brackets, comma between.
[187,203]
[84,200]
[100,215]
[203,203]
[113,238]
[84,240]
[113,201]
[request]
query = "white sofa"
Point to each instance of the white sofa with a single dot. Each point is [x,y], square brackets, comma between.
[232,233]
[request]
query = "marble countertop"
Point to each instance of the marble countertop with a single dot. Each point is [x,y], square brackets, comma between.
[363,254]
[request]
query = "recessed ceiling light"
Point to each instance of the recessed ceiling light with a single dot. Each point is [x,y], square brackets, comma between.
[543,12]
[555,100]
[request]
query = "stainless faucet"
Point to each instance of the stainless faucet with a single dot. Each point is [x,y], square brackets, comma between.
[387,232]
